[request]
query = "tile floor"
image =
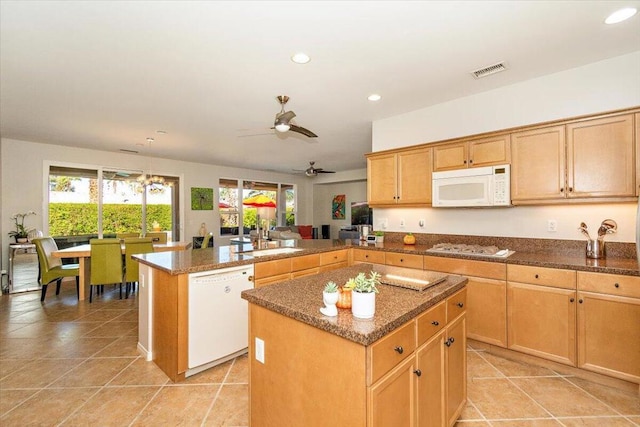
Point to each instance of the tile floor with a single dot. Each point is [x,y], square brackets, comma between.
[76,364]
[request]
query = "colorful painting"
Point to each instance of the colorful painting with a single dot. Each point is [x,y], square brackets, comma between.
[201,199]
[338,207]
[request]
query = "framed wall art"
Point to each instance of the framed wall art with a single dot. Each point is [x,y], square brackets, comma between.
[201,199]
[338,207]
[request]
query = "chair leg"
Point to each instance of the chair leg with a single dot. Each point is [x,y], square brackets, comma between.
[90,294]
[78,287]
[58,283]
[44,292]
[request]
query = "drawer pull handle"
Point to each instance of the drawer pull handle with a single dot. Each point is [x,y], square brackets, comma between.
[536,276]
[460,304]
[572,300]
[580,301]
[435,323]
[399,349]
[401,260]
[617,285]
[449,342]
[418,372]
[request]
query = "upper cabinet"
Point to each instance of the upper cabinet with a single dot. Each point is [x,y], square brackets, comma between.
[584,159]
[400,178]
[489,151]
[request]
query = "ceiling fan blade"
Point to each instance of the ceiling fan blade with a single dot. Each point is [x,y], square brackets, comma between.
[303,131]
[323,171]
[286,116]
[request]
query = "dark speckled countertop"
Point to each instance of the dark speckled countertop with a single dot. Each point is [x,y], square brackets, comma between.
[301,299]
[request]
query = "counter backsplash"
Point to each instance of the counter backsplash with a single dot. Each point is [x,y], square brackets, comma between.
[518,244]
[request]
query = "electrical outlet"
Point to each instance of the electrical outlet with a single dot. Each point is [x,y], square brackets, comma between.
[384,223]
[401,222]
[552,225]
[259,350]
[421,222]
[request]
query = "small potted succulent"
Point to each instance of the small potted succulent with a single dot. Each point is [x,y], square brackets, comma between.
[364,295]
[379,236]
[330,297]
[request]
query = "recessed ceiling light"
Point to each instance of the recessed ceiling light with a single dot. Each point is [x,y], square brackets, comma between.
[374,97]
[621,15]
[300,58]
[162,132]
[150,140]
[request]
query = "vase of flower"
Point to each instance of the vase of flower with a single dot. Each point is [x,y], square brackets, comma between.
[21,233]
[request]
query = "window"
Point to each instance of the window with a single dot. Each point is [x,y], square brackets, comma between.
[236,214]
[97,202]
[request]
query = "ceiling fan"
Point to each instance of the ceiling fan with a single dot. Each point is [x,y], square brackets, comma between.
[313,171]
[283,119]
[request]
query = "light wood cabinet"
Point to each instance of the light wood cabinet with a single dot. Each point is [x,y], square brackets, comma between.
[334,260]
[609,325]
[404,260]
[306,265]
[494,150]
[583,159]
[456,369]
[486,296]
[431,389]
[364,255]
[268,272]
[401,178]
[392,399]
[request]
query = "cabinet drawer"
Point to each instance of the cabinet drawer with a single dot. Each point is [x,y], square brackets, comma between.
[390,350]
[431,321]
[404,260]
[362,255]
[305,262]
[307,272]
[465,267]
[333,257]
[335,266]
[272,268]
[271,279]
[542,276]
[456,304]
[610,284]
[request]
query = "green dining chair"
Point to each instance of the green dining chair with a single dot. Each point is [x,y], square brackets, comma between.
[51,268]
[205,241]
[140,245]
[106,264]
[159,237]
[127,235]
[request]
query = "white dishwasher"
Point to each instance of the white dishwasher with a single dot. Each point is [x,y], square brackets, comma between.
[218,316]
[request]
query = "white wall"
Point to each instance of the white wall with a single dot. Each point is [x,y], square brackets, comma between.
[355,191]
[602,86]
[22,182]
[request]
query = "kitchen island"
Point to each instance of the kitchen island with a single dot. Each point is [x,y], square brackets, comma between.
[406,365]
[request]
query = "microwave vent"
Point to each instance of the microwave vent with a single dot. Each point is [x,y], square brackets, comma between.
[487,71]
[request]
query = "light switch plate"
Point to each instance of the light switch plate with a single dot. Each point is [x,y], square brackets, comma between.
[259,350]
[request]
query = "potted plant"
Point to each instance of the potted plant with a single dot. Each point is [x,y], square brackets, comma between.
[379,236]
[330,298]
[344,300]
[21,234]
[363,298]
[156,226]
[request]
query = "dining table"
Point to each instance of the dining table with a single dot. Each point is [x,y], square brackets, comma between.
[83,253]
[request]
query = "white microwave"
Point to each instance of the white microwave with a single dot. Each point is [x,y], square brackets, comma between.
[473,187]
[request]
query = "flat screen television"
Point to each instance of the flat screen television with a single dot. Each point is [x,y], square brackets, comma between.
[361,214]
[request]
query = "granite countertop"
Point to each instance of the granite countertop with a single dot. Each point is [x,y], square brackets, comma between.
[534,252]
[301,300]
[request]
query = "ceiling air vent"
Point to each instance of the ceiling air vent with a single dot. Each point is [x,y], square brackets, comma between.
[491,69]
[124,150]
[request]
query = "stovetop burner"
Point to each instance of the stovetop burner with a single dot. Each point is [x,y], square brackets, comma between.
[460,248]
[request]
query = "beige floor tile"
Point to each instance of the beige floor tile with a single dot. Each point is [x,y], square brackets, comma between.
[47,408]
[472,424]
[215,375]
[239,372]
[9,366]
[470,413]
[129,316]
[178,405]
[103,315]
[113,329]
[499,398]
[93,372]
[140,372]
[635,420]
[477,367]
[112,406]
[549,422]
[24,348]
[80,347]
[561,397]
[121,347]
[511,368]
[596,422]
[11,398]
[231,407]
[39,374]
[627,403]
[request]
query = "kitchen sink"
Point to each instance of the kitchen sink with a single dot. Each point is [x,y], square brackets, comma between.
[275,251]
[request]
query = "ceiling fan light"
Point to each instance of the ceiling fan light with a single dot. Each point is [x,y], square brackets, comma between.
[282,126]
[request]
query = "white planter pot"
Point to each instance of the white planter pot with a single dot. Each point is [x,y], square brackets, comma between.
[363,305]
[379,239]
[330,300]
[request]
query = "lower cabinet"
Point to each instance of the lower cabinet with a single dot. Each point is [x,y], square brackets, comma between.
[427,388]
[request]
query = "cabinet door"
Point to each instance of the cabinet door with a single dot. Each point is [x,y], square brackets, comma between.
[450,156]
[364,255]
[538,164]
[600,157]
[542,321]
[414,177]
[430,392]
[487,310]
[609,335]
[495,150]
[456,368]
[381,179]
[391,400]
